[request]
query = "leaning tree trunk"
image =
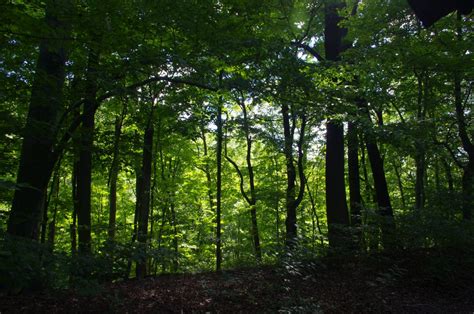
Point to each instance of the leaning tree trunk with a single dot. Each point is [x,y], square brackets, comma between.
[46,103]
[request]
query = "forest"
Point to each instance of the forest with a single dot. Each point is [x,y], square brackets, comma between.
[289,156]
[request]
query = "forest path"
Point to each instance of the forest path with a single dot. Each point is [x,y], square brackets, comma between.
[361,286]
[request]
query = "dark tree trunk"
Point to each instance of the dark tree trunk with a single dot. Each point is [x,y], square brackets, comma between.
[400,183]
[46,103]
[468,168]
[207,170]
[219,185]
[113,175]
[252,200]
[174,225]
[292,198]
[290,222]
[381,192]
[73,226]
[143,195]
[419,179]
[420,155]
[354,180]
[84,176]
[336,204]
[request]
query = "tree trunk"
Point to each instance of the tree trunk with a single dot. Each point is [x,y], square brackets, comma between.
[354,180]
[143,195]
[84,178]
[252,200]
[400,183]
[46,103]
[290,222]
[336,205]
[113,175]
[219,185]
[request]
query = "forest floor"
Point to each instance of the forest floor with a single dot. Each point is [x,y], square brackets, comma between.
[418,282]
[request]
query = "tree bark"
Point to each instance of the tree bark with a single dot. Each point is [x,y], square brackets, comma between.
[354,179]
[219,185]
[336,204]
[467,144]
[84,178]
[252,200]
[143,195]
[113,175]
[46,103]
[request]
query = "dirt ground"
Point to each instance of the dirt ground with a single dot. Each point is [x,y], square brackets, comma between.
[401,284]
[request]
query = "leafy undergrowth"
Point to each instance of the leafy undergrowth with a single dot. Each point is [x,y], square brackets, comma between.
[415,282]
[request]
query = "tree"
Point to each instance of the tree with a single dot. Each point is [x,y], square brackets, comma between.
[336,205]
[252,200]
[46,104]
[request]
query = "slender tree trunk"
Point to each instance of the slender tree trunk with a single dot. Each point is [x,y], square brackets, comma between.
[219,185]
[252,200]
[113,175]
[336,204]
[290,222]
[400,183]
[46,104]
[52,223]
[354,180]
[73,226]
[143,197]
[84,177]
[175,237]
[449,176]
[420,155]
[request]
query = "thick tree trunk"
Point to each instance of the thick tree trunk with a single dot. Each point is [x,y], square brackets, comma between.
[336,204]
[84,176]
[467,143]
[143,195]
[46,103]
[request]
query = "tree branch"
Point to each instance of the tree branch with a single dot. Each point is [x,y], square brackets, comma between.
[309,49]
[241,178]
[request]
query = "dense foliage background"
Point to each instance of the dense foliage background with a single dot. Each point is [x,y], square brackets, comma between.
[182,136]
